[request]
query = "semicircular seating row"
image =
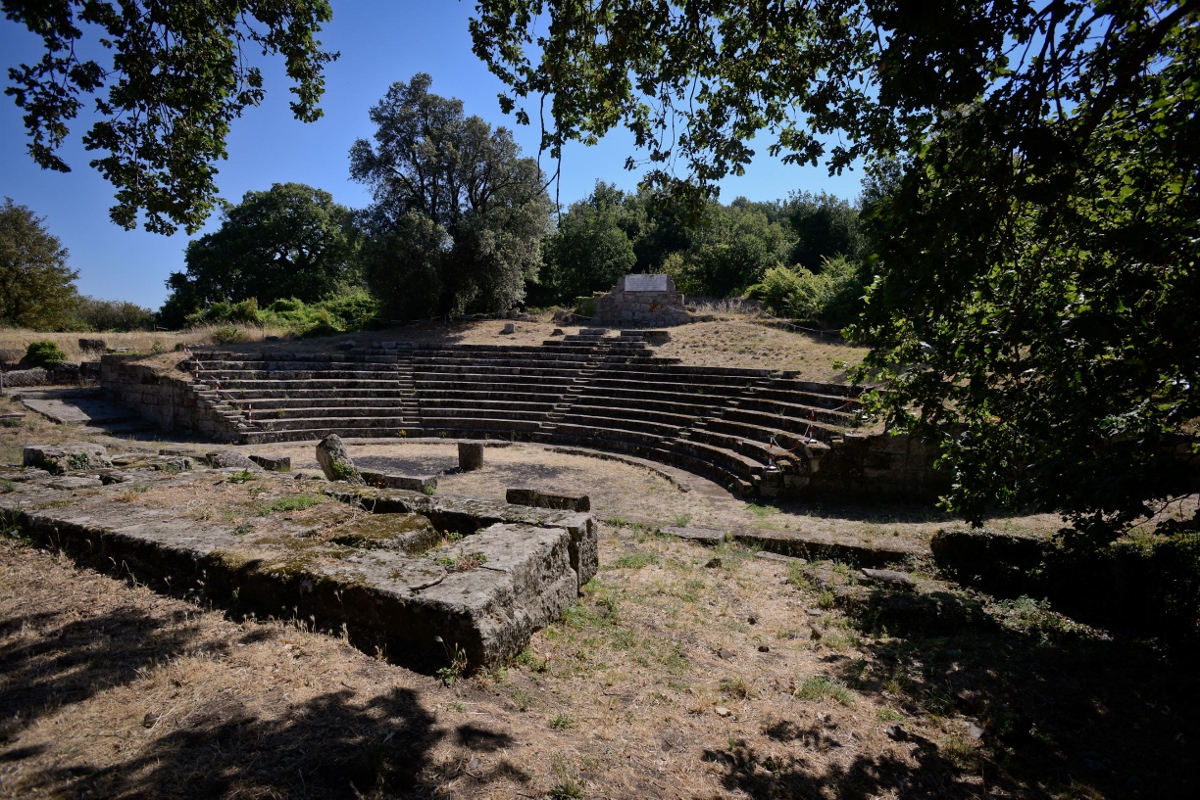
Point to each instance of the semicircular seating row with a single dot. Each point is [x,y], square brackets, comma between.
[603,392]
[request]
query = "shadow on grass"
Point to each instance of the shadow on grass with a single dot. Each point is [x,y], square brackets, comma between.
[1059,706]
[325,747]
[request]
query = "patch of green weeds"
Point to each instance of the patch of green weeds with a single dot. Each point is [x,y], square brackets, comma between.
[78,461]
[736,687]
[567,790]
[10,530]
[52,504]
[562,722]
[342,471]
[961,751]
[12,423]
[522,699]
[797,577]
[682,520]
[463,562]
[635,560]
[760,510]
[457,666]
[616,522]
[825,600]
[889,715]
[293,502]
[819,687]
[532,661]
[7,486]
[1028,615]
[241,476]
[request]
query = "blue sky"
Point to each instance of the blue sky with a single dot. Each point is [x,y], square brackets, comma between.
[380,43]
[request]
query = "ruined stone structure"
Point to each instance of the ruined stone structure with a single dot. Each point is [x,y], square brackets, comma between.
[642,300]
[390,578]
[762,433]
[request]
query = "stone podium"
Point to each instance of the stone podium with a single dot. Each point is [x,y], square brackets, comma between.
[642,300]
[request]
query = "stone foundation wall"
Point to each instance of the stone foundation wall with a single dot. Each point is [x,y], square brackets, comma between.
[860,468]
[644,300]
[69,373]
[168,402]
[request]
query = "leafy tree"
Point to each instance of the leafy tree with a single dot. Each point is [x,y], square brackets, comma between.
[178,78]
[459,215]
[36,286]
[111,315]
[1035,302]
[289,241]
[589,250]
[825,226]
[731,247]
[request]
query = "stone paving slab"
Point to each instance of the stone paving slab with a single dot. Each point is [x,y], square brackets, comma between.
[78,406]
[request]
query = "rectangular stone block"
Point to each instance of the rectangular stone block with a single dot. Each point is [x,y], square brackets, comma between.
[274,463]
[539,499]
[426,484]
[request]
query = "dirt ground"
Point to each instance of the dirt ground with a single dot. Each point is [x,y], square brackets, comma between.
[683,671]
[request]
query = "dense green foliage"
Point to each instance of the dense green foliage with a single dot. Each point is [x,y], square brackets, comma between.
[291,241]
[459,216]
[351,311]
[590,248]
[178,77]
[1037,249]
[715,251]
[92,314]
[831,298]
[42,355]
[36,286]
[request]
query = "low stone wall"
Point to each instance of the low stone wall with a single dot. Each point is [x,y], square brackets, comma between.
[166,401]
[68,373]
[649,300]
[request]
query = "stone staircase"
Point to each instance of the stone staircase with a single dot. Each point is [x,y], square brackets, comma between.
[590,389]
[281,396]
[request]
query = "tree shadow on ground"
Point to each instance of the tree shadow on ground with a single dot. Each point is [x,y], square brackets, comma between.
[71,660]
[325,747]
[1056,705]
[808,776]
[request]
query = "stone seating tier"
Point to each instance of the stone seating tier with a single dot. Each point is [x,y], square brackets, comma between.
[788,416]
[595,391]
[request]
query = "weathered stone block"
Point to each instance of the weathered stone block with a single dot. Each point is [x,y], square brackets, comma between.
[229,459]
[470,456]
[273,463]
[335,460]
[61,459]
[539,499]
[426,484]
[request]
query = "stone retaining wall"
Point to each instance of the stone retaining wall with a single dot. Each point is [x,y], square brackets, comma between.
[68,373]
[166,401]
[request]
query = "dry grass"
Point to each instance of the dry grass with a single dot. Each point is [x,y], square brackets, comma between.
[736,339]
[14,341]
[682,672]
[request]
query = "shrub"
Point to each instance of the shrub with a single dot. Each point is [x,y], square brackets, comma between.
[832,296]
[44,355]
[228,334]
